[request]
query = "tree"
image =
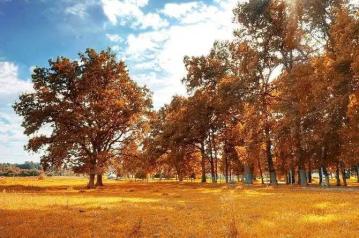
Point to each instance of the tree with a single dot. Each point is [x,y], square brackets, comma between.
[83,112]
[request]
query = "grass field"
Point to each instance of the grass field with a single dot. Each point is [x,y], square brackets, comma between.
[59,207]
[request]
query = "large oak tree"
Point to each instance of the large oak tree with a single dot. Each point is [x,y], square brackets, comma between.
[84,112]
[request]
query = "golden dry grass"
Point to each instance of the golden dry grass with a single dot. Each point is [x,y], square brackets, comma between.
[58,207]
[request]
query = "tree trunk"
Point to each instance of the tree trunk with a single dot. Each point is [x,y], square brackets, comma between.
[309,172]
[324,177]
[342,166]
[337,174]
[203,164]
[320,172]
[248,176]
[99,182]
[91,183]
[310,176]
[357,171]
[302,176]
[226,168]
[260,170]
[271,170]
[213,174]
[180,177]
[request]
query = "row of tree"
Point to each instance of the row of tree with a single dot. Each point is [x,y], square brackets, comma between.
[280,99]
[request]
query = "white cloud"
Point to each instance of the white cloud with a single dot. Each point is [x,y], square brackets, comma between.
[10,84]
[160,53]
[114,37]
[129,12]
[78,9]
[12,138]
[179,10]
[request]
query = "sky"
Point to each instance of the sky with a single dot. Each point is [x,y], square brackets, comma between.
[152,36]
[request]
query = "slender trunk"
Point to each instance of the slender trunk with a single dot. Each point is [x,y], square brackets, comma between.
[342,166]
[248,176]
[320,172]
[214,146]
[203,163]
[287,178]
[324,176]
[357,171]
[337,174]
[310,173]
[226,168]
[310,176]
[292,174]
[302,178]
[260,169]
[99,182]
[213,176]
[271,169]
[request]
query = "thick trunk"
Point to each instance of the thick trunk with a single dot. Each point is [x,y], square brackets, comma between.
[248,176]
[302,177]
[203,164]
[180,177]
[91,183]
[99,182]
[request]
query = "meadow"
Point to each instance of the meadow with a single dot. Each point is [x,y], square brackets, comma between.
[60,207]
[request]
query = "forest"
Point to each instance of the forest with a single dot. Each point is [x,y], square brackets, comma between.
[277,103]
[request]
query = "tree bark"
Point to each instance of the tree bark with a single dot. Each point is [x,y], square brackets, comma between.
[320,172]
[91,183]
[302,178]
[213,175]
[226,168]
[324,177]
[203,164]
[260,170]
[248,176]
[342,166]
[337,174]
[99,182]
[357,171]
[271,169]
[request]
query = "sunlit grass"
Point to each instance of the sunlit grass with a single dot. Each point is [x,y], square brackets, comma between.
[59,207]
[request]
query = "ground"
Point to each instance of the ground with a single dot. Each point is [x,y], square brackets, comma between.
[60,207]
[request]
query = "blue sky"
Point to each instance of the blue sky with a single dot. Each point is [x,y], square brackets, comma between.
[152,36]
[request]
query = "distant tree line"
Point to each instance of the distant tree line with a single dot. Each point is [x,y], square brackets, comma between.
[28,168]
[279,101]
